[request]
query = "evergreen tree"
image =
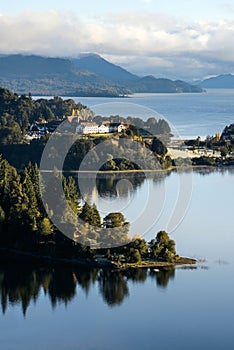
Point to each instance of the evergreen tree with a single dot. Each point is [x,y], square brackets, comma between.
[114,220]
[139,244]
[163,248]
[116,230]
[96,216]
[134,256]
[71,193]
[158,147]
[32,205]
[90,215]
[34,175]
[45,226]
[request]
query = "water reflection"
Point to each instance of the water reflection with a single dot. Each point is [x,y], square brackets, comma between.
[125,184]
[23,285]
[163,276]
[213,170]
[115,184]
[113,287]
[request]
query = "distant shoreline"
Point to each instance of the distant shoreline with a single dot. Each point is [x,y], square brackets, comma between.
[139,171]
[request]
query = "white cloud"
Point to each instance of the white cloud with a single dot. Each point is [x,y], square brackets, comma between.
[152,43]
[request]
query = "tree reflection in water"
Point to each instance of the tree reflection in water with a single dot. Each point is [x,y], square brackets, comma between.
[117,184]
[23,284]
[163,276]
[113,287]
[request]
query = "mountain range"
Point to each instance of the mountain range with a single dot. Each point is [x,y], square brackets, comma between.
[224,81]
[87,75]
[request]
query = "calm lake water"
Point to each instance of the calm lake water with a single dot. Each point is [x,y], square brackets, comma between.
[183,308]
[191,115]
[57,308]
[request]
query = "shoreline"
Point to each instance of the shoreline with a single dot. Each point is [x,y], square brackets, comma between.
[182,261]
[8,255]
[139,171]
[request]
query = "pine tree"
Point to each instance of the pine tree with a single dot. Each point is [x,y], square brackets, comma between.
[96,216]
[33,212]
[90,215]
[45,226]
[71,194]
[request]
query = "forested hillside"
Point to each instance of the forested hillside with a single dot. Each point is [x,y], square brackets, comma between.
[89,75]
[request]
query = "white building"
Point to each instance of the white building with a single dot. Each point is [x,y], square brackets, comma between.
[90,127]
[87,128]
[117,127]
[103,129]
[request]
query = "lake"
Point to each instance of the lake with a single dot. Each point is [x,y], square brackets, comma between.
[182,308]
[52,307]
[191,114]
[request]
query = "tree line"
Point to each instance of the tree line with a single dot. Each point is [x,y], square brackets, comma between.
[25,225]
[24,222]
[18,112]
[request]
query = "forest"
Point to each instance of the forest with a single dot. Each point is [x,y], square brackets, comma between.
[17,113]
[27,221]
[25,225]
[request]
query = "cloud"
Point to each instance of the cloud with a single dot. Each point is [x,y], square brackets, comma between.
[146,44]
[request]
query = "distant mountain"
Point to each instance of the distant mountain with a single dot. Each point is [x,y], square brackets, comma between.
[186,87]
[88,75]
[150,84]
[102,67]
[97,64]
[53,76]
[224,81]
[34,66]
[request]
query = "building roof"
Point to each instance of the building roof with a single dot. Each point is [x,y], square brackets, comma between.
[86,123]
[115,124]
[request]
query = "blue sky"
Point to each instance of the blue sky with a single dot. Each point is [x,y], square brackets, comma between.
[172,38]
[199,9]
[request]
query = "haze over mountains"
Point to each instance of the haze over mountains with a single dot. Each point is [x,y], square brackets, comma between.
[88,75]
[224,81]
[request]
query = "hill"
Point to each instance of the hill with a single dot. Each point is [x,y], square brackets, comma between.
[97,64]
[150,84]
[147,84]
[89,75]
[34,66]
[53,76]
[224,81]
